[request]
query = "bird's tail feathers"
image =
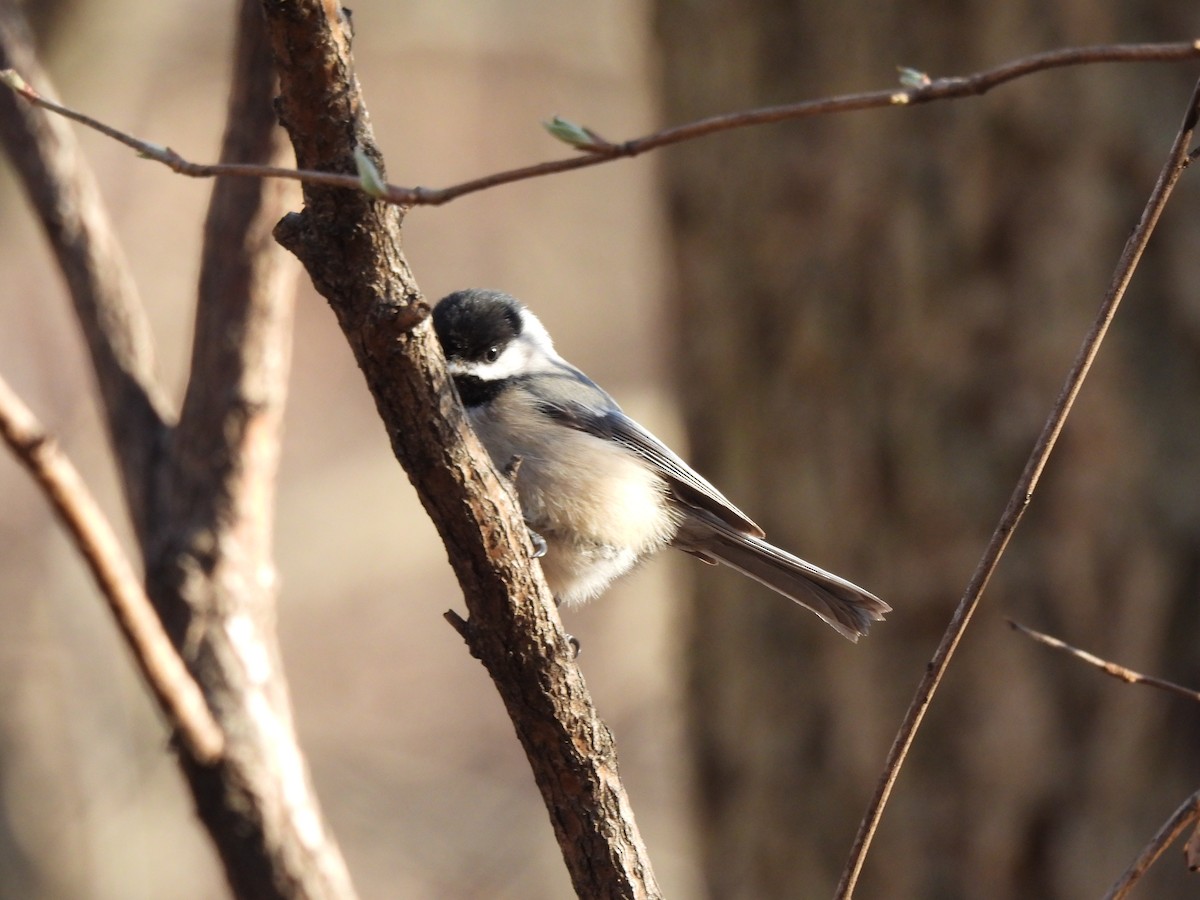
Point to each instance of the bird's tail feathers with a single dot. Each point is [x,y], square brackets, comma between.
[845,606]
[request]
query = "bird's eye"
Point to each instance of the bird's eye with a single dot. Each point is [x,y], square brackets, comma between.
[492,354]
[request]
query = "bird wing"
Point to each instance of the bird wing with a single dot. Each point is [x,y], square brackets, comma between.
[599,414]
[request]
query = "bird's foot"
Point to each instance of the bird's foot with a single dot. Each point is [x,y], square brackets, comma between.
[539,544]
[513,468]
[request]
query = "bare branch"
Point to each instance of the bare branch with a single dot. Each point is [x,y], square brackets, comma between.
[205,531]
[15,81]
[597,150]
[177,693]
[349,244]
[951,88]
[210,570]
[1022,493]
[1109,668]
[226,450]
[1187,813]
[64,194]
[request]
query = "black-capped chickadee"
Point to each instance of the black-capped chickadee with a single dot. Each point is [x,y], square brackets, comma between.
[601,491]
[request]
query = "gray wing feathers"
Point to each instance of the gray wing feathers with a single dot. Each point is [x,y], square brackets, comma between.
[689,486]
[576,401]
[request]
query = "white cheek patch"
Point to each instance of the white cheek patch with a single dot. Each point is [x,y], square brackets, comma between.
[508,364]
[518,358]
[514,360]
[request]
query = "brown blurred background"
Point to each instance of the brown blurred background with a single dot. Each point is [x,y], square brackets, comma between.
[867,318]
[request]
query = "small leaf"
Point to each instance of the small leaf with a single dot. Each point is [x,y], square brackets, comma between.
[11,79]
[913,78]
[154,151]
[368,175]
[569,133]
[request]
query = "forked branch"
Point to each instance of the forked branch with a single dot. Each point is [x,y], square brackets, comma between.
[199,492]
[350,245]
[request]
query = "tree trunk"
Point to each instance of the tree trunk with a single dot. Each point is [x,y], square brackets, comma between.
[874,314]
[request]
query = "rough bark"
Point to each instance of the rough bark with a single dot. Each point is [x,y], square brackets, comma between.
[350,246]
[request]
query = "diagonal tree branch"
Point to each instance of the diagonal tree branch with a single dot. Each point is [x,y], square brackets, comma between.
[177,693]
[1010,518]
[349,243]
[63,193]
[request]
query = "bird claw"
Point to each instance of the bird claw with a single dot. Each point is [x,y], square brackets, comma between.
[513,467]
[576,647]
[539,544]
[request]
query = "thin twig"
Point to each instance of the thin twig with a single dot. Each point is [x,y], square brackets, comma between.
[177,163]
[177,692]
[602,151]
[1188,812]
[1021,495]
[1110,668]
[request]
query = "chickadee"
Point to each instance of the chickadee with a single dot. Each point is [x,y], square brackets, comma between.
[602,492]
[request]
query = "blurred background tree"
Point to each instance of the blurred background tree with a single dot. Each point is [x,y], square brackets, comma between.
[871,315]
